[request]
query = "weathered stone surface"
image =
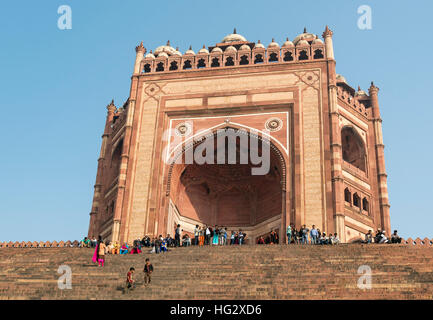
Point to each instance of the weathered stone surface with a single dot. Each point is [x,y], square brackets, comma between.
[263,272]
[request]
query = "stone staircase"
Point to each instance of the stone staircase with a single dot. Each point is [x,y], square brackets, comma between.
[230,272]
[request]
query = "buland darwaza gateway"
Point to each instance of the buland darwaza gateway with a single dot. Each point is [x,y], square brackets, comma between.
[326,158]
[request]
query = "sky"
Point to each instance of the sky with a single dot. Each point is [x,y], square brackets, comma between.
[55,85]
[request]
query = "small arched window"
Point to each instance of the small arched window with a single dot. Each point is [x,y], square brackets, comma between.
[160,67]
[187,65]
[244,60]
[229,61]
[365,205]
[215,63]
[273,57]
[146,68]
[347,195]
[201,63]
[303,55]
[318,54]
[356,201]
[173,66]
[258,59]
[288,56]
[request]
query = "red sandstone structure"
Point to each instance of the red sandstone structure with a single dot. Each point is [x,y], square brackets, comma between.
[327,163]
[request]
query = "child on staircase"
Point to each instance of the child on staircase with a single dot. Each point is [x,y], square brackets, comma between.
[148,269]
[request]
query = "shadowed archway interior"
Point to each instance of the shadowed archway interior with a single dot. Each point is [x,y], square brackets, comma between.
[229,194]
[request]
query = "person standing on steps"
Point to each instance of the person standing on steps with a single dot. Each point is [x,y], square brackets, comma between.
[101,254]
[177,236]
[130,283]
[196,234]
[148,269]
[289,233]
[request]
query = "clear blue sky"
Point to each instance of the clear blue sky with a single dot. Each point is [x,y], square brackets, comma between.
[55,85]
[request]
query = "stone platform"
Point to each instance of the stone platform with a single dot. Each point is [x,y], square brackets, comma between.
[231,272]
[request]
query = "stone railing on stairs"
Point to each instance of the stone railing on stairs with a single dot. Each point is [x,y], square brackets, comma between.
[75,244]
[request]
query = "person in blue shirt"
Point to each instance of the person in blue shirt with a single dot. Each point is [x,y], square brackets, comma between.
[314,235]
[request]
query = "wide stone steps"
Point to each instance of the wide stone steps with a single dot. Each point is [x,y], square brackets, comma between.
[231,272]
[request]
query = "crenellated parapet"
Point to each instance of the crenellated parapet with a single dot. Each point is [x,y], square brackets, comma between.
[352,101]
[234,51]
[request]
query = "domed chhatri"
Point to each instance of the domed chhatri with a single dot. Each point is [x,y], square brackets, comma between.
[273,44]
[190,51]
[288,44]
[233,37]
[167,49]
[304,36]
[259,45]
[340,78]
[203,50]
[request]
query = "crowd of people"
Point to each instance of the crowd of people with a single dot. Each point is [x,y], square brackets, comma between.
[310,236]
[380,237]
[218,235]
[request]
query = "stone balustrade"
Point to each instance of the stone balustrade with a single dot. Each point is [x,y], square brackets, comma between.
[74,244]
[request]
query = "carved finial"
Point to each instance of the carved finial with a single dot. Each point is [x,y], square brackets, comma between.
[204,47]
[273,40]
[190,47]
[111,107]
[234,31]
[140,48]
[327,32]
[359,88]
[287,38]
[258,41]
[372,88]
[305,29]
[168,42]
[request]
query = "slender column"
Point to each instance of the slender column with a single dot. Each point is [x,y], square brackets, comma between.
[380,160]
[140,51]
[95,218]
[335,134]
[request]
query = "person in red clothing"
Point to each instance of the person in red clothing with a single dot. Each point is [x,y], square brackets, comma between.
[130,283]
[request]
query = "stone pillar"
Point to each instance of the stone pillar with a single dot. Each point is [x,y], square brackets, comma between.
[329,47]
[335,143]
[140,51]
[95,219]
[380,160]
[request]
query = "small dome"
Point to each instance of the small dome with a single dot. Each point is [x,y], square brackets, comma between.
[177,53]
[203,50]
[233,37]
[288,43]
[167,49]
[190,51]
[149,55]
[259,45]
[231,49]
[360,93]
[304,36]
[162,54]
[317,41]
[273,44]
[340,78]
[302,43]
[217,50]
[245,47]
